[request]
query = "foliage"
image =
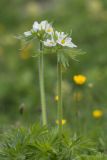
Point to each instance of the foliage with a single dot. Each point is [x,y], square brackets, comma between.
[96,157]
[39,142]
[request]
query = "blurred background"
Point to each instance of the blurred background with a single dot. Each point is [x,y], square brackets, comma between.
[19,91]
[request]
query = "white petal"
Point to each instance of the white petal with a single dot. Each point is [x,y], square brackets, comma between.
[60,35]
[63,35]
[49,29]
[68,39]
[71,45]
[57,33]
[49,43]
[27,34]
[63,40]
[59,41]
[36,26]
[43,24]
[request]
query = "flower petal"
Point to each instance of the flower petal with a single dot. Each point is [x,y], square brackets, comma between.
[36,26]
[71,45]
[43,24]
[49,43]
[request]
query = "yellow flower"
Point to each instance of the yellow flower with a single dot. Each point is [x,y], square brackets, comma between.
[63,121]
[79,79]
[56,98]
[25,53]
[97,113]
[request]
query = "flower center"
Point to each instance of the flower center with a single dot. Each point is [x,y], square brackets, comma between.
[51,42]
[63,41]
[50,30]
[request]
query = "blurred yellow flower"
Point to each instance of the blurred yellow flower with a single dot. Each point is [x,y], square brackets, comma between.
[63,121]
[95,7]
[25,53]
[56,98]
[97,113]
[32,8]
[79,79]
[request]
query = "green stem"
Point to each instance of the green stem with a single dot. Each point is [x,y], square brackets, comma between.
[42,90]
[59,77]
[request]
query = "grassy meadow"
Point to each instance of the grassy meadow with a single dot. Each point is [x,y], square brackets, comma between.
[84,82]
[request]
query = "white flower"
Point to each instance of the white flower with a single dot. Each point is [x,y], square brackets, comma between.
[60,35]
[44,25]
[57,38]
[27,34]
[39,26]
[49,29]
[64,40]
[49,43]
[36,26]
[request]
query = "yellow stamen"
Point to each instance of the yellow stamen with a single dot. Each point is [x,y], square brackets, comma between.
[56,98]
[50,30]
[63,41]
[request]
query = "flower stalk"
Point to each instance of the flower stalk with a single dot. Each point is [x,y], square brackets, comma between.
[50,38]
[42,89]
[60,111]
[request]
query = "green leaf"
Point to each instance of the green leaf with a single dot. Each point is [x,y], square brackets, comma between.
[73,53]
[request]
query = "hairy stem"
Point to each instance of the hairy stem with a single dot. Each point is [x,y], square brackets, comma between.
[42,90]
[59,77]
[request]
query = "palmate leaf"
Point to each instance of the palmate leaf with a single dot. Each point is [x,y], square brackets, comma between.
[63,59]
[73,53]
[64,56]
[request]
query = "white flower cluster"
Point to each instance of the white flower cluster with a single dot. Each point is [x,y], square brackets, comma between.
[44,26]
[56,38]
